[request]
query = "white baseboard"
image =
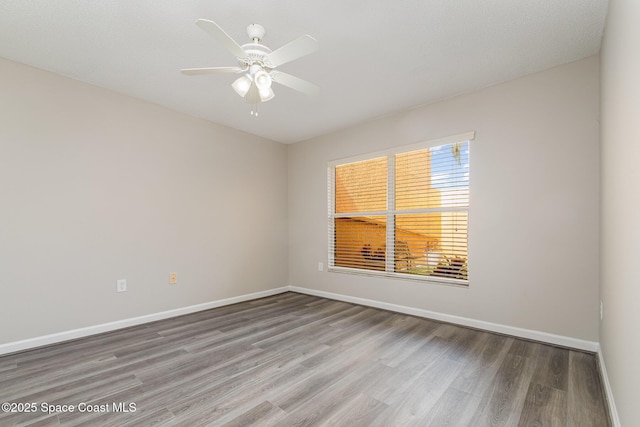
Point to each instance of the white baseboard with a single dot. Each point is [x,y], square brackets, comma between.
[13,347]
[591,346]
[560,340]
[613,411]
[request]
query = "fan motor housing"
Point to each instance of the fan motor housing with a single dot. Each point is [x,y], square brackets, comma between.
[255,52]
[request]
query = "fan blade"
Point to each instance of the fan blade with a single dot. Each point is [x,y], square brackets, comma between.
[211,70]
[223,38]
[293,50]
[295,83]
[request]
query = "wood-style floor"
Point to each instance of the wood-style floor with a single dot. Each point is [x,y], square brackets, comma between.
[294,359]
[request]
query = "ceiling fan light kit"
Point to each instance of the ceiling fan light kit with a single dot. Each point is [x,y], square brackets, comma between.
[242,85]
[258,63]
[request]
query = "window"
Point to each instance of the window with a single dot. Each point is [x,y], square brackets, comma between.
[402,213]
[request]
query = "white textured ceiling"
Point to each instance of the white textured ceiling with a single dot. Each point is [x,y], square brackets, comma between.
[376,56]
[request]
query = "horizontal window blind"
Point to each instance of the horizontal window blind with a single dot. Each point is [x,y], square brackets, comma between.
[403,214]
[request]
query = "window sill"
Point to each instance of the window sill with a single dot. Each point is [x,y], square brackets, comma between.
[402,276]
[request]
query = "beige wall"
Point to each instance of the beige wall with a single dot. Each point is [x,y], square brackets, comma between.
[534,203]
[620,227]
[96,186]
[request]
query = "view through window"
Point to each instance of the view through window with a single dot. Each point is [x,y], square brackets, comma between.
[404,213]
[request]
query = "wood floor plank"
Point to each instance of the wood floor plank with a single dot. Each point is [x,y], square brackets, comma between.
[454,408]
[502,403]
[544,406]
[586,400]
[404,375]
[265,413]
[552,368]
[362,411]
[416,401]
[411,336]
[294,359]
[481,370]
[341,394]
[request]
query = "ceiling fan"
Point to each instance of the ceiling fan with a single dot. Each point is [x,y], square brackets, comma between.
[258,63]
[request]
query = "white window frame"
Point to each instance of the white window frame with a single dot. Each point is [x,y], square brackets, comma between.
[390,212]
